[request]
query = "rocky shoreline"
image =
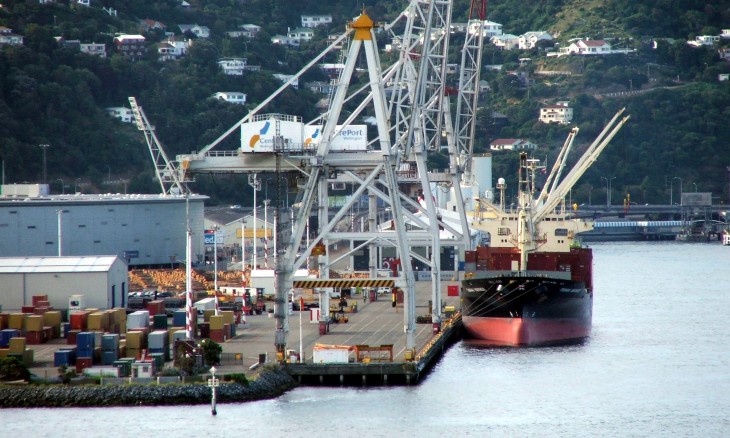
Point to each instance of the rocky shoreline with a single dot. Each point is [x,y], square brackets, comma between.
[270,383]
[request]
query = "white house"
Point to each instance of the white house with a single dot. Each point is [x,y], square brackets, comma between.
[284,40]
[725,34]
[7,37]
[724,53]
[284,78]
[560,113]
[122,113]
[528,40]
[233,66]
[245,30]
[489,28]
[511,144]
[198,31]
[704,40]
[506,41]
[94,49]
[300,34]
[231,97]
[589,47]
[319,87]
[316,20]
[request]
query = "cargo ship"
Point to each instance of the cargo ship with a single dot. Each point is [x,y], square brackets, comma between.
[533,284]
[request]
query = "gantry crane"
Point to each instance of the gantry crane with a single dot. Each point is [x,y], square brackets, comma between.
[409,123]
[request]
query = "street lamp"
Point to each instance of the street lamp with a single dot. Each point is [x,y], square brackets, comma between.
[44,147]
[608,189]
[215,267]
[63,186]
[255,183]
[695,184]
[76,185]
[671,187]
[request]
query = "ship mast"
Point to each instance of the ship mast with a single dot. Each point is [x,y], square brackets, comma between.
[526,193]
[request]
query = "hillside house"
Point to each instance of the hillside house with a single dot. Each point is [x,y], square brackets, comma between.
[197,30]
[131,46]
[300,34]
[233,66]
[489,29]
[121,113]
[316,20]
[151,25]
[511,144]
[173,48]
[528,40]
[704,40]
[284,78]
[94,49]
[725,33]
[319,87]
[244,30]
[8,38]
[560,113]
[235,97]
[506,41]
[724,53]
[589,47]
[284,40]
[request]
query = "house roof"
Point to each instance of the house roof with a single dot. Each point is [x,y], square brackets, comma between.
[18,265]
[506,141]
[554,107]
[593,43]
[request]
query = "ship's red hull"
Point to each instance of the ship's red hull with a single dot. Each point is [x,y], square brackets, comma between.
[517,332]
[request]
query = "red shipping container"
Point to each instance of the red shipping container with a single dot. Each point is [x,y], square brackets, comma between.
[156,307]
[83,363]
[4,320]
[78,320]
[36,298]
[34,338]
[453,290]
[27,309]
[71,337]
[217,336]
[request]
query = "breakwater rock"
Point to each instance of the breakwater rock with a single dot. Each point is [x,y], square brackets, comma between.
[269,384]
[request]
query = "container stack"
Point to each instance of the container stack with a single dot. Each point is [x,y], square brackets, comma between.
[85,348]
[217,326]
[229,321]
[17,321]
[65,356]
[109,348]
[159,321]
[77,323]
[5,336]
[136,342]
[156,307]
[53,320]
[159,343]
[4,320]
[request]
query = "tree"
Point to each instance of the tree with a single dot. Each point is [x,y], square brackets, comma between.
[12,369]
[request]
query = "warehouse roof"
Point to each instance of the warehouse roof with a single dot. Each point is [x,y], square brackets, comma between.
[19,265]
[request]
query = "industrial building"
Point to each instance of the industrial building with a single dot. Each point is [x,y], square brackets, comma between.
[144,230]
[101,280]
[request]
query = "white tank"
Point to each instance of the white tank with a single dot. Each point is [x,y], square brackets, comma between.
[481,168]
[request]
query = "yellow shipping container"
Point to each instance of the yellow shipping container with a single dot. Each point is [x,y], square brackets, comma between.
[216,322]
[134,340]
[227,316]
[98,321]
[17,321]
[16,345]
[52,318]
[34,323]
[131,352]
[207,314]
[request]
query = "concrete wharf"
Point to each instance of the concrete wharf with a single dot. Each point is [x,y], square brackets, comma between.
[375,324]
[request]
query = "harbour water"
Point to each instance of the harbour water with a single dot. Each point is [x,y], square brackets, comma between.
[657,364]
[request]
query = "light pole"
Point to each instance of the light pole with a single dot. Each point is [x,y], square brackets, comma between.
[680,188]
[608,189]
[695,184]
[76,185]
[63,186]
[256,184]
[44,147]
[60,233]
[215,267]
[266,233]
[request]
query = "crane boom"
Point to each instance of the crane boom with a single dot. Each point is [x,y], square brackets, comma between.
[165,170]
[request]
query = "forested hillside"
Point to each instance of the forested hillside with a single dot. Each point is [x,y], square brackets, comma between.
[50,93]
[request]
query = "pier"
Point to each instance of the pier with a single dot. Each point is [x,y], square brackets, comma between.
[373,336]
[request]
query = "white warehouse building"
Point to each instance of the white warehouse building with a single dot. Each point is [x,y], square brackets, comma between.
[101,280]
[144,230]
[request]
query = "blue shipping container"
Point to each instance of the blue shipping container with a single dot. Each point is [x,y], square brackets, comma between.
[5,336]
[86,341]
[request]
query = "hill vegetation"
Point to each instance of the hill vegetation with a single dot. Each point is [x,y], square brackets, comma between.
[50,93]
